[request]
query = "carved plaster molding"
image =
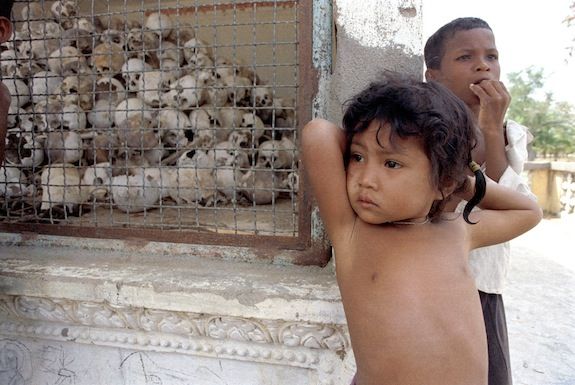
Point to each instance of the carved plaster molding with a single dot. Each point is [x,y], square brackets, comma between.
[307,345]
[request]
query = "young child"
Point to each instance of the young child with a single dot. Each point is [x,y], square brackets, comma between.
[5,98]
[462,55]
[411,304]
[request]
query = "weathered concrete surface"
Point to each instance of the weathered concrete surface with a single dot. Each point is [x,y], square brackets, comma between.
[540,304]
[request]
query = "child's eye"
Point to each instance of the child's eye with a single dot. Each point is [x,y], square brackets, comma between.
[492,57]
[392,164]
[464,57]
[356,157]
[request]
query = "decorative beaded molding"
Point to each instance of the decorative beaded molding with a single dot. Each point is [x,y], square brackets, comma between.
[270,341]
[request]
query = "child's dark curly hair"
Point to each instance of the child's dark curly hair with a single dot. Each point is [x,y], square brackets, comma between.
[430,112]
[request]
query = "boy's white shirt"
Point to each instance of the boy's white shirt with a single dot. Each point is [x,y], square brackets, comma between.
[489,265]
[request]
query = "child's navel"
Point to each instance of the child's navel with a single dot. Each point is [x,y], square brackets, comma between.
[374,276]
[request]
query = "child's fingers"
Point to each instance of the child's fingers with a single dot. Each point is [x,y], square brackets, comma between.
[492,90]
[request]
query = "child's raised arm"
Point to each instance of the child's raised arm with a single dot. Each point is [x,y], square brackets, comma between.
[504,215]
[323,146]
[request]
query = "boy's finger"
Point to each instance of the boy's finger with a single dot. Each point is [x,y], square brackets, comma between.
[478,91]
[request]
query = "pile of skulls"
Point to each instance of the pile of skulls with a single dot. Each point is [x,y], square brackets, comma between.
[110,110]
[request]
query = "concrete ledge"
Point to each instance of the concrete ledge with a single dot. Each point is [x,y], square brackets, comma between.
[180,283]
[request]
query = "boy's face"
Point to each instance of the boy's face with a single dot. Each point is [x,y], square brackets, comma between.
[389,182]
[470,57]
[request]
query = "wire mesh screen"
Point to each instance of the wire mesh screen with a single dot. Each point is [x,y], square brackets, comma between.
[156,115]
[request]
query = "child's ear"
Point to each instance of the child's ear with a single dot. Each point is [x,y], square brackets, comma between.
[5,29]
[430,74]
[446,191]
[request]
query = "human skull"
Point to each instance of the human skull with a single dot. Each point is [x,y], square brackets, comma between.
[73,118]
[173,125]
[77,89]
[252,124]
[47,114]
[80,38]
[262,97]
[199,60]
[84,24]
[97,179]
[113,36]
[259,186]
[185,93]
[60,186]
[169,51]
[12,182]
[41,29]
[227,154]
[196,158]
[19,118]
[217,94]
[37,51]
[159,23]
[227,180]
[110,89]
[67,61]
[134,193]
[24,150]
[141,40]
[65,11]
[154,85]
[290,182]
[9,63]
[19,91]
[131,107]
[102,115]
[132,71]
[276,154]
[45,84]
[195,46]
[107,58]
[204,134]
[63,146]
[230,117]
[192,185]
[33,11]
[102,148]
[238,89]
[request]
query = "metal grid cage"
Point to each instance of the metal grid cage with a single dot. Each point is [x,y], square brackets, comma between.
[131,117]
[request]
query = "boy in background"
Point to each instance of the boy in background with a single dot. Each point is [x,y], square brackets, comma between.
[5,98]
[462,55]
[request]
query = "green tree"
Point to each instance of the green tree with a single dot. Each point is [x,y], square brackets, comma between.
[551,123]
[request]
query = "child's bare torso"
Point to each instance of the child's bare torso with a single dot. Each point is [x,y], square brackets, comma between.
[412,307]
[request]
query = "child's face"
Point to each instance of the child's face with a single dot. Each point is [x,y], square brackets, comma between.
[469,57]
[389,183]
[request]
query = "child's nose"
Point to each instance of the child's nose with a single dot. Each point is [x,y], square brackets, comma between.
[367,178]
[482,65]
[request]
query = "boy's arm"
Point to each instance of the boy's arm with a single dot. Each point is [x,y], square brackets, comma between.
[494,100]
[504,215]
[323,145]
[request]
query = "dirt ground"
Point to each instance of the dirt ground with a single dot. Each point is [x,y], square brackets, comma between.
[540,304]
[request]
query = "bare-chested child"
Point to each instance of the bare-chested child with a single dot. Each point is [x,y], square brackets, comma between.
[381,184]
[5,98]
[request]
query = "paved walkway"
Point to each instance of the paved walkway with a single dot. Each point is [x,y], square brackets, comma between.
[540,304]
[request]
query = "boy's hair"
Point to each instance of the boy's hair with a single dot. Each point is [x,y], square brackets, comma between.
[6,9]
[435,46]
[426,111]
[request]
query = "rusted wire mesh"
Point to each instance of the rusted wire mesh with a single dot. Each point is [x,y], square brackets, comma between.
[171,115]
